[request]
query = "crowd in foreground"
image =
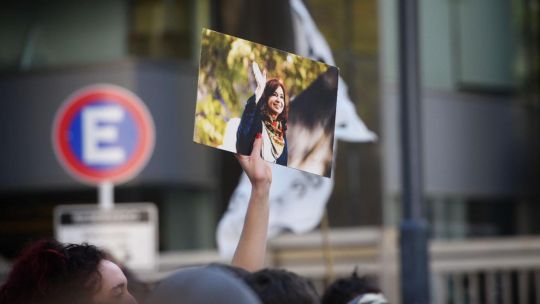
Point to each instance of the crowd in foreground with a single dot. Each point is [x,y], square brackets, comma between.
[49,272]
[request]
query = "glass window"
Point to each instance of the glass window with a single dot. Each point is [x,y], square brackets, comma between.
[161,29]
[60,33]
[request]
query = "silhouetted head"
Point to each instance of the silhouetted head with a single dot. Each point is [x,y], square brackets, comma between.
[277,286]
[344,290]
[202,285]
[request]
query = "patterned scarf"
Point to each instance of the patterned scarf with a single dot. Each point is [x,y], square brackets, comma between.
[275,132]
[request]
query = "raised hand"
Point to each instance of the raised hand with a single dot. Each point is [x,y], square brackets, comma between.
[251,250]
[260,78]
[256,168]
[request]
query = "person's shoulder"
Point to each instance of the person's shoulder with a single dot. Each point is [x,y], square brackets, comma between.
[251,99]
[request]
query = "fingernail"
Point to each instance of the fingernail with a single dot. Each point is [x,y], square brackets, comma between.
[258,135]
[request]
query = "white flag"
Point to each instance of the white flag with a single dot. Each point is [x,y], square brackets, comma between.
[297,199]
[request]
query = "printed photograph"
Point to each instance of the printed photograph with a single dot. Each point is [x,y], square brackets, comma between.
[247,90]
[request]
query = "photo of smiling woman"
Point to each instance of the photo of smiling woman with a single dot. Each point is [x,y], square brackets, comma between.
[292,109]
[265,115]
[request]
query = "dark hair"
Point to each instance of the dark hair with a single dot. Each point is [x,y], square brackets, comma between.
[277,286]
[346,289]
[51,272]
[271,86]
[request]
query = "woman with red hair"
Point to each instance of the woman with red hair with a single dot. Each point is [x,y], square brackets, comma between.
[49,272]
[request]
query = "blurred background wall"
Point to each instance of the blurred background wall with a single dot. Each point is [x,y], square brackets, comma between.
[480,103]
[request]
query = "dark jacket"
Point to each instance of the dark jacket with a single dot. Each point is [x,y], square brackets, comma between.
[250,125]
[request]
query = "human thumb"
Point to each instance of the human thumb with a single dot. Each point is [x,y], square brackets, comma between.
[257,145]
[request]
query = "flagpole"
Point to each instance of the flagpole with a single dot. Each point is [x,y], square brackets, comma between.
[327,248]
[413,228]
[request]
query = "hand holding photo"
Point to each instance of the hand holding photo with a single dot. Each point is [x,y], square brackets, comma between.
[290,104]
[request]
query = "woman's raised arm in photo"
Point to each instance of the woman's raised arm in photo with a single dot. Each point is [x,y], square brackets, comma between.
[260,78]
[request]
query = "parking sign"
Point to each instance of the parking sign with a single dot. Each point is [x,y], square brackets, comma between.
[103,133]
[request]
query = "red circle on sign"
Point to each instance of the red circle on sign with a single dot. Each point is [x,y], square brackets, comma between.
[114,95]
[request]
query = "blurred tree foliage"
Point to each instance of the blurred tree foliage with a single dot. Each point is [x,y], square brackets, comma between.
[226,80]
